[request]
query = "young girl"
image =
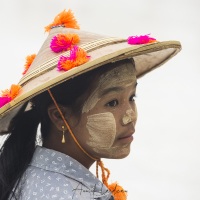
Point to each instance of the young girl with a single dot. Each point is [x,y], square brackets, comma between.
[80,89]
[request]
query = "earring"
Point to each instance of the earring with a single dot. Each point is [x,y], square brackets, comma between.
[63,136]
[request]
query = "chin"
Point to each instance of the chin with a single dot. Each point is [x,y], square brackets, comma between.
[120,156]
[119,153]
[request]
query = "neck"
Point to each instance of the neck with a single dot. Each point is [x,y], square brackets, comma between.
[69,148]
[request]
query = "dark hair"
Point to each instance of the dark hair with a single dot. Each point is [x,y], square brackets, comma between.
[18,149]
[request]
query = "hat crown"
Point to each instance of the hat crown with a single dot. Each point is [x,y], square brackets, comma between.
[45,54]
[46,57]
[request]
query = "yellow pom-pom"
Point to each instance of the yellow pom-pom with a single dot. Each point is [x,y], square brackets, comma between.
[117,191]
[66,19]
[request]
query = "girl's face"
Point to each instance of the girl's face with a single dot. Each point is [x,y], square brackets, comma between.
[106,126]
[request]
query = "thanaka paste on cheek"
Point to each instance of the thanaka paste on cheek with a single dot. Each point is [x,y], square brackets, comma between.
[120,76]
[102,130]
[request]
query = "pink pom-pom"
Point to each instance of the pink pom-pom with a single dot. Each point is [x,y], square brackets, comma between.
[63,42]
[143,39]
[73,53]
[77,57]
[9,94]
[62,60]
[4,101]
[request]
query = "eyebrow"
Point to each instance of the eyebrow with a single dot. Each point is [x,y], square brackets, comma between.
[113,89]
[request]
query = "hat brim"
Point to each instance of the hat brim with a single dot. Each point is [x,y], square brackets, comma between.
[43,73]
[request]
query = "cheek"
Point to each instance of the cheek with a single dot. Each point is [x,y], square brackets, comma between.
[102,130]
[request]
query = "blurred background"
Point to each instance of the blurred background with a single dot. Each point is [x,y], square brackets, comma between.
[165,159]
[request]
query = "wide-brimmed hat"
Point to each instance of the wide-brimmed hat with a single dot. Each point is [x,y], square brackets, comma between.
[97,50]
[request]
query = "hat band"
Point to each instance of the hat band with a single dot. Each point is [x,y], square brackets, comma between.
[53,62]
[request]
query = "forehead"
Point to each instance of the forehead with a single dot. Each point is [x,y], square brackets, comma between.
[120,70]
[123,72]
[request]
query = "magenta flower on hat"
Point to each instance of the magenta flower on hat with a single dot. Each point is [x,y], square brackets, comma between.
[142,39]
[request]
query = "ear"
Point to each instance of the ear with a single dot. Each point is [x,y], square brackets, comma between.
[55,115]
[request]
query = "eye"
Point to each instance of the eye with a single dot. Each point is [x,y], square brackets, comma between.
[112,103]
[132,98]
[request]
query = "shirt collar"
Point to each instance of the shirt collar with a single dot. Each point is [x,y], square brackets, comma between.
[55,161]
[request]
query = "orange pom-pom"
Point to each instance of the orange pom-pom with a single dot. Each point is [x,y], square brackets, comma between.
[13,92]
[66,19]
[29,60]
[63,42]
[77,57]
[117,191]
[5,93]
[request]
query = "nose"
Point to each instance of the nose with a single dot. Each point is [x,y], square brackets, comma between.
[129,116]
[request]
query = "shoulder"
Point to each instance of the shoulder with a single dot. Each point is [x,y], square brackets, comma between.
[43,184]
[53,175]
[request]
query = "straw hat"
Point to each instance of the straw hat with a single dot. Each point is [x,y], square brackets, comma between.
[43,73]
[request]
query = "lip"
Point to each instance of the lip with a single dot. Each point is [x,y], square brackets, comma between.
[126,138]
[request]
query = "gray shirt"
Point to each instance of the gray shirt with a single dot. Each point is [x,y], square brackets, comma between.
[54,175]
